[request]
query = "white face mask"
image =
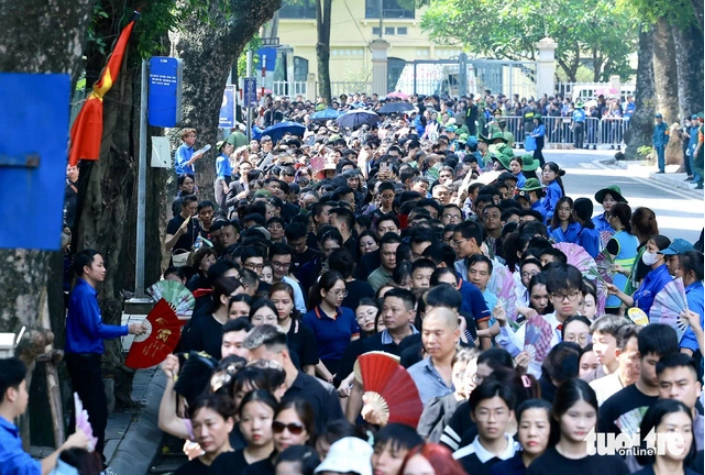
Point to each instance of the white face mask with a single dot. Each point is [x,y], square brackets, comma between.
[649,258]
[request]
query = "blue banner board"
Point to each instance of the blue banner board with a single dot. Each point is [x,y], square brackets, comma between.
[250,92]
[227,109]
[33,156]
[165,81]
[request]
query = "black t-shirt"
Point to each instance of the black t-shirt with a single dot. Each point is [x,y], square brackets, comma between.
[368,263]
[624,409]
[374,343]
[206,334]
[300,259]
[553,463]
[325,405]
[70,200]
[347,362]
[302,342]
[357,290]
[193,467]
[352,247]
[229,463]
[263,467]
[460,423]
[187,239]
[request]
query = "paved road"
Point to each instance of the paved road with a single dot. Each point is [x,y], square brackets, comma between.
[677,215]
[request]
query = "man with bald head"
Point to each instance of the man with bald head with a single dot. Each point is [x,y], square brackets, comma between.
[440,335]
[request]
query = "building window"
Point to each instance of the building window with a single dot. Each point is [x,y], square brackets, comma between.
[402,30]
[298,9]
[390,9]
[388,30]
[375,30]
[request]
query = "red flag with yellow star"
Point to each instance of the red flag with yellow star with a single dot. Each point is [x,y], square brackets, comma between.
[87,129]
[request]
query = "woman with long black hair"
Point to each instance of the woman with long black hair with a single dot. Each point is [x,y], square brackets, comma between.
[574,415]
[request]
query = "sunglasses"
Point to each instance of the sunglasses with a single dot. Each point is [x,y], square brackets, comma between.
[294,427]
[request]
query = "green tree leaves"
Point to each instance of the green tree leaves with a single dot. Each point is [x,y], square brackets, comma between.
[594,33]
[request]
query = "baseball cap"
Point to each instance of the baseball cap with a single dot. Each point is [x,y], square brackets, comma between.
[678,246]
[349,454]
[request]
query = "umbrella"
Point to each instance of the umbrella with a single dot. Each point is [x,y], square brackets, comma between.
[606,91]
[355,118]
[277,131]
[397,95]
[395,107]
[325,114]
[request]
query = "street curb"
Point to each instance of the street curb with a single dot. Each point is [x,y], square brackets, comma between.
[666,181]
[141,443]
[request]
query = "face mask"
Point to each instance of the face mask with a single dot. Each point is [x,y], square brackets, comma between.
[649,258]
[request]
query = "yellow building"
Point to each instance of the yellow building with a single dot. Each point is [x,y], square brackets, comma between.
[354,24]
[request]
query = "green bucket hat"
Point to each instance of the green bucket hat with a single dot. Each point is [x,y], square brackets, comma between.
[529,164]
[537,116]
[532,184]
[612,190]
[579,105]
[498,136]
[463,138]
[504,159]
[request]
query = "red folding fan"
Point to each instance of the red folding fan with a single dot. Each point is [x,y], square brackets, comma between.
[160,339]
[389,388]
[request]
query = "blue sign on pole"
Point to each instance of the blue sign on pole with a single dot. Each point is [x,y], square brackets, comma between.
[250,92]
[33,151]
[165,80]
[227,109]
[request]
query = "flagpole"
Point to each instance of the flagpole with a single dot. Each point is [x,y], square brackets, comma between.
[141,186]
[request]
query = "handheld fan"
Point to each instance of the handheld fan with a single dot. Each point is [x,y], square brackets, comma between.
[630,422]
[605,236]
[389,388]
[160,339]
[577,256]
[179,298]
[668,305]
[83,423]
[537,339]
[638,316]
[605,266]
[504,288]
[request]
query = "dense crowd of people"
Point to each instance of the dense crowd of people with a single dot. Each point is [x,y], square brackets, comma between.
[509,304]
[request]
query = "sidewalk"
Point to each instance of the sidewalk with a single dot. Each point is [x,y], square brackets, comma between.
[132,437]
[670,179]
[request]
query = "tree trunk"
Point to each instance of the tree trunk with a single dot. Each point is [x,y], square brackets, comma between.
[698,9]
[665,72]
[54,42]
[641,125]
[323,13]
[32,29]
[688,43]
[208,50]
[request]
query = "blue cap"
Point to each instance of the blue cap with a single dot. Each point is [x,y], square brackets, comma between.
[471,140]
[695,117]
[678,246]
[658,115]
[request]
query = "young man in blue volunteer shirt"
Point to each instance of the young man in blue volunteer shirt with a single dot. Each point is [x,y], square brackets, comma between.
[579,124]
[660,140]
[13,403]
[491,408]
[85,332]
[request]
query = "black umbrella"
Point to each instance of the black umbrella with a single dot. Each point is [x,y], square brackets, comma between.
[395,108]
[356,118]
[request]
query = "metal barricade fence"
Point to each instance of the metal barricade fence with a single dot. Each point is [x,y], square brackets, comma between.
[561,130]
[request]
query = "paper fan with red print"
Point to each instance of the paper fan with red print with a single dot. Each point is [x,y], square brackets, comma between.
[668,305]
[577,256]
[389,388]
[179,298]
[160,339]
